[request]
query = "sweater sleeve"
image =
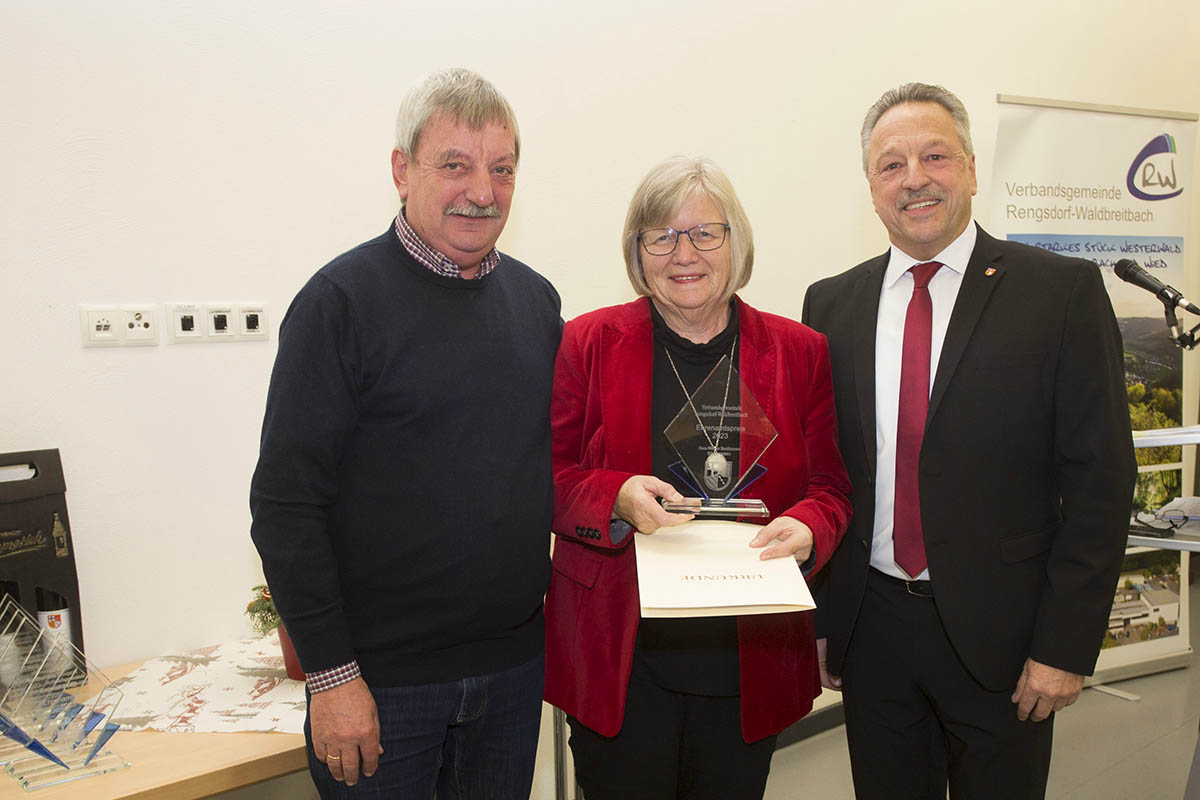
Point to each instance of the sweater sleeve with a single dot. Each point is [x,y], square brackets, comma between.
[312,405]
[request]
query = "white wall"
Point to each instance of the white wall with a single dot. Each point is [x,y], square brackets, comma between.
[162,151]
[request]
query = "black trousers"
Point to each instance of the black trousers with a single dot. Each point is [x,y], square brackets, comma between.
[671,745]
[915,718]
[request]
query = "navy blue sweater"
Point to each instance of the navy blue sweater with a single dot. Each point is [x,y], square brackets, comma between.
[403,493]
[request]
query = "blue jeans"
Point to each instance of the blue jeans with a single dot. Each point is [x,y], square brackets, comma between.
[470,739]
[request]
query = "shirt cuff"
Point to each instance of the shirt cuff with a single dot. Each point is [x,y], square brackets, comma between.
[806,566]
[328,679]
[618,529]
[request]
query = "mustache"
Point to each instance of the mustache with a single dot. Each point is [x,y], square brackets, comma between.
[472,210]
[916,197]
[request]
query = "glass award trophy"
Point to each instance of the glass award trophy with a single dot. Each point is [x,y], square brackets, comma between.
[55,709]
[720,435]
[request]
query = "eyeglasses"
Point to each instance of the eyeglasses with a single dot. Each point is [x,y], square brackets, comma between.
[1148,524]
[662,241]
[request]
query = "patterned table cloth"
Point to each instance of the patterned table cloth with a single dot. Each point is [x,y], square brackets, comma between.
[234,687]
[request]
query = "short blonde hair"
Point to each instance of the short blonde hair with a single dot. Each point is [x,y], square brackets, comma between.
[660,196]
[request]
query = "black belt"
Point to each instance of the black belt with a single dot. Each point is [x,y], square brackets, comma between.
[915,588]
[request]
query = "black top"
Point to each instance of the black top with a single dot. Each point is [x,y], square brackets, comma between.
[403,493]
[697,655]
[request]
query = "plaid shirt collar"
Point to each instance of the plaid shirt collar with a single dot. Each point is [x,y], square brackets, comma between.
[432,259]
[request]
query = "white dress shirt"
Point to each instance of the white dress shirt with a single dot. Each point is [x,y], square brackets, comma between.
[889,346]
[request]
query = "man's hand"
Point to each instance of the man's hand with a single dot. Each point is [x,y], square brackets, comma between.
[827,680]
[637,504]
[1042,690]
[788,537]
[345,730]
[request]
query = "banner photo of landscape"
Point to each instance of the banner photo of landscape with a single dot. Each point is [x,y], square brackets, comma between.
[1105,187]
[1109,186]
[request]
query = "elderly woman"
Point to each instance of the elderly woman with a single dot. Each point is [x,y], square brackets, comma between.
[687,708]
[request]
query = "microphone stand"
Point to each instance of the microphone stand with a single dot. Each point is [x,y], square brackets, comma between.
[1186,340]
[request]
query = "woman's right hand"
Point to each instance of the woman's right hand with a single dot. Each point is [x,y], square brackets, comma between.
[637,503]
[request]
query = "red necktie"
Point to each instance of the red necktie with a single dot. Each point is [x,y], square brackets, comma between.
[907,539]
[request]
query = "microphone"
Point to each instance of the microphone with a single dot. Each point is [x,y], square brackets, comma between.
[1128,271]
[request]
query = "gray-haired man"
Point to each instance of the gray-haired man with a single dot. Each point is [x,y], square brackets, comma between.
[403,492]
[983,421]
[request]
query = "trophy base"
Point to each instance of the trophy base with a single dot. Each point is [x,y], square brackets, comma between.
[55,708]
[35,772]
[719,509]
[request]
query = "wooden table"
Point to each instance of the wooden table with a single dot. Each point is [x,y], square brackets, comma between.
[177,766]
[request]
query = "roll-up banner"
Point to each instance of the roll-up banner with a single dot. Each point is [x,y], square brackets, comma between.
[1108,183]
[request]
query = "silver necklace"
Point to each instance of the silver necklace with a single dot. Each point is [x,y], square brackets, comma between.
[716,466]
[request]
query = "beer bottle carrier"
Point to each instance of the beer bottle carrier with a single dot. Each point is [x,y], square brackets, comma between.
[55,709]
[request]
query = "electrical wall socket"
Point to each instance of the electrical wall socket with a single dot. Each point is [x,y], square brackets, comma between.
[216,322]
[119,325]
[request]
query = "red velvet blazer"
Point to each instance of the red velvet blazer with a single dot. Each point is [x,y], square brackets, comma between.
[600,414]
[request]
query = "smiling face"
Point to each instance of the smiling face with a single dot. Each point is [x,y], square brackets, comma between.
[921,179]
[458,187]
[688,285]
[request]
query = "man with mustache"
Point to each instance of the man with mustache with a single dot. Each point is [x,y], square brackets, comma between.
[403,493]
[983,421]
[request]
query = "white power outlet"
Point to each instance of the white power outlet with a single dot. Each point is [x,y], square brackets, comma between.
[118,325]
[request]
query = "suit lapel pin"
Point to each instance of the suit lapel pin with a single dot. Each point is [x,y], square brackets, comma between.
[990,271]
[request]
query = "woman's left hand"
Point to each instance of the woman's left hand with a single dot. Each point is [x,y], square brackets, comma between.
[787,536]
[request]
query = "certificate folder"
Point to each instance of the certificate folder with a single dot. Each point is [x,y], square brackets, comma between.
[706,568]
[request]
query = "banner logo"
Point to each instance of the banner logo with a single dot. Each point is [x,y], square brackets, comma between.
[1152,174]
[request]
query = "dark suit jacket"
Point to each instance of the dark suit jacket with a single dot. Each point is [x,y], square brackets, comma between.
[1026,470]
[600,414]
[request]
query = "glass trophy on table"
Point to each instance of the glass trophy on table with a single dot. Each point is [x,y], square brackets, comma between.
[55,709]
[719,437]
